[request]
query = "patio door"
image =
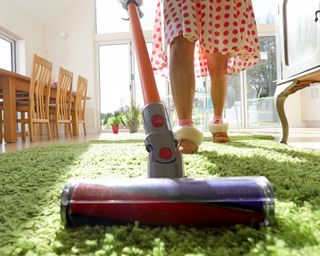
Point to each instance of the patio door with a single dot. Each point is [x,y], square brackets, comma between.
[119,78]
[161,82]
[115,78]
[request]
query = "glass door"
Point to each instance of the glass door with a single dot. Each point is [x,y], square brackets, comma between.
[233,104]
[160,81]
[261,86]
[233,109]
[114,70]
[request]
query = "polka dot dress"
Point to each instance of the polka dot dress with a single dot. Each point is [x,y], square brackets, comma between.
[224,26]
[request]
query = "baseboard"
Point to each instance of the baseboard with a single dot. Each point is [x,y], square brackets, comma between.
[312,124]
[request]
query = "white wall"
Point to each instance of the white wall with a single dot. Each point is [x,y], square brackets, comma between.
[74,52]
[29,32]
[69,43]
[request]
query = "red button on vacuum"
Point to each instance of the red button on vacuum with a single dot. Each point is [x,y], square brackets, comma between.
[157,121]
[165,153]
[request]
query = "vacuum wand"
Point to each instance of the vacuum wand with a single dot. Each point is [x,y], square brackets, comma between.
[164,160]
[148,83]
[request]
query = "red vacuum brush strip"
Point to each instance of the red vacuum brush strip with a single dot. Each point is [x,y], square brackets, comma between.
[169,202]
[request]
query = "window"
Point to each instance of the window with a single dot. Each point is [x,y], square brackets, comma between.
[250,94]
[110,14]
[261,85]
[264,11]
[160,81]
[118,70]
[7,53]
[203,106]
[119,78]
[261,79]
[114,77]
[250,99]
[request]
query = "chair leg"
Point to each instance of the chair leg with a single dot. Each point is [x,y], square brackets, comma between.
[52,123]
[23,126]
[67,129]
[84,128]
[31,131]
[48,130]
[70,129]
[53,128]
[57,129]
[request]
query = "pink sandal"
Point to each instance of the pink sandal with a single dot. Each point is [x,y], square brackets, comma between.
[189,139]
[219,132]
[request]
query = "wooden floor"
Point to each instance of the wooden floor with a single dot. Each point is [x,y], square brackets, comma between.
[299,137]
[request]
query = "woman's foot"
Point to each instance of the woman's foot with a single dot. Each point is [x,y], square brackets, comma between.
[189,138]
[219,132]
[187,147]
[220,137]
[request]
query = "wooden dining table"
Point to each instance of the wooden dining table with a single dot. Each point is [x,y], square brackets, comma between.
[12,83]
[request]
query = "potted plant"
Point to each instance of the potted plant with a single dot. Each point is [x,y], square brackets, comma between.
[114,121]
[104,120]
[132,117]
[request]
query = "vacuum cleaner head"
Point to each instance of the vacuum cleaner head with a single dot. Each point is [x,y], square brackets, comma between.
[173,202]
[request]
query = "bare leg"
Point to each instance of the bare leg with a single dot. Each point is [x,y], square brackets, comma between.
[182,76]
[217,65]
[182,80]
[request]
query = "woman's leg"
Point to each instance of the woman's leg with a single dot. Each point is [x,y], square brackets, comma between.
[182,76]
[182,80]
[217,65]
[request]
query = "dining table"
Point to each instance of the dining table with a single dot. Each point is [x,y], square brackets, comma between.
[11,84]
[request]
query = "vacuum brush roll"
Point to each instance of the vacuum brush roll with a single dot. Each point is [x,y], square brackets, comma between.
[169,202]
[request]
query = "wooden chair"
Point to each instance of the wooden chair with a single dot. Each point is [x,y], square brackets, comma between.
[78,112]
[60,111]
[37,106]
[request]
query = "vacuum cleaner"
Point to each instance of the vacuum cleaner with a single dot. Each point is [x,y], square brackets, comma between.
[165,197]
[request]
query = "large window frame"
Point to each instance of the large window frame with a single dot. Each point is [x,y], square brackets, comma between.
[110,38]
[99,75]
[264,30]
[13,54]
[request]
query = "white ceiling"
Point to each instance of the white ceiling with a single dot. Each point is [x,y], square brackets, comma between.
[43,10]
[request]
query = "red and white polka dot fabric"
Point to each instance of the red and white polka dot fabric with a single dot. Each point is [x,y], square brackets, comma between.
[225,26]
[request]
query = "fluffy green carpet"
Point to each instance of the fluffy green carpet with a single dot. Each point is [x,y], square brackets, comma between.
[31,182]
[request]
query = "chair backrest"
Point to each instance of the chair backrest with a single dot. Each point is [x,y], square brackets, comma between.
[80,104]
[39,95]
[64,94]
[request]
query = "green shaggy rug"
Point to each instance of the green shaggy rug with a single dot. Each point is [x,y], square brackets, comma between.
[31,182]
